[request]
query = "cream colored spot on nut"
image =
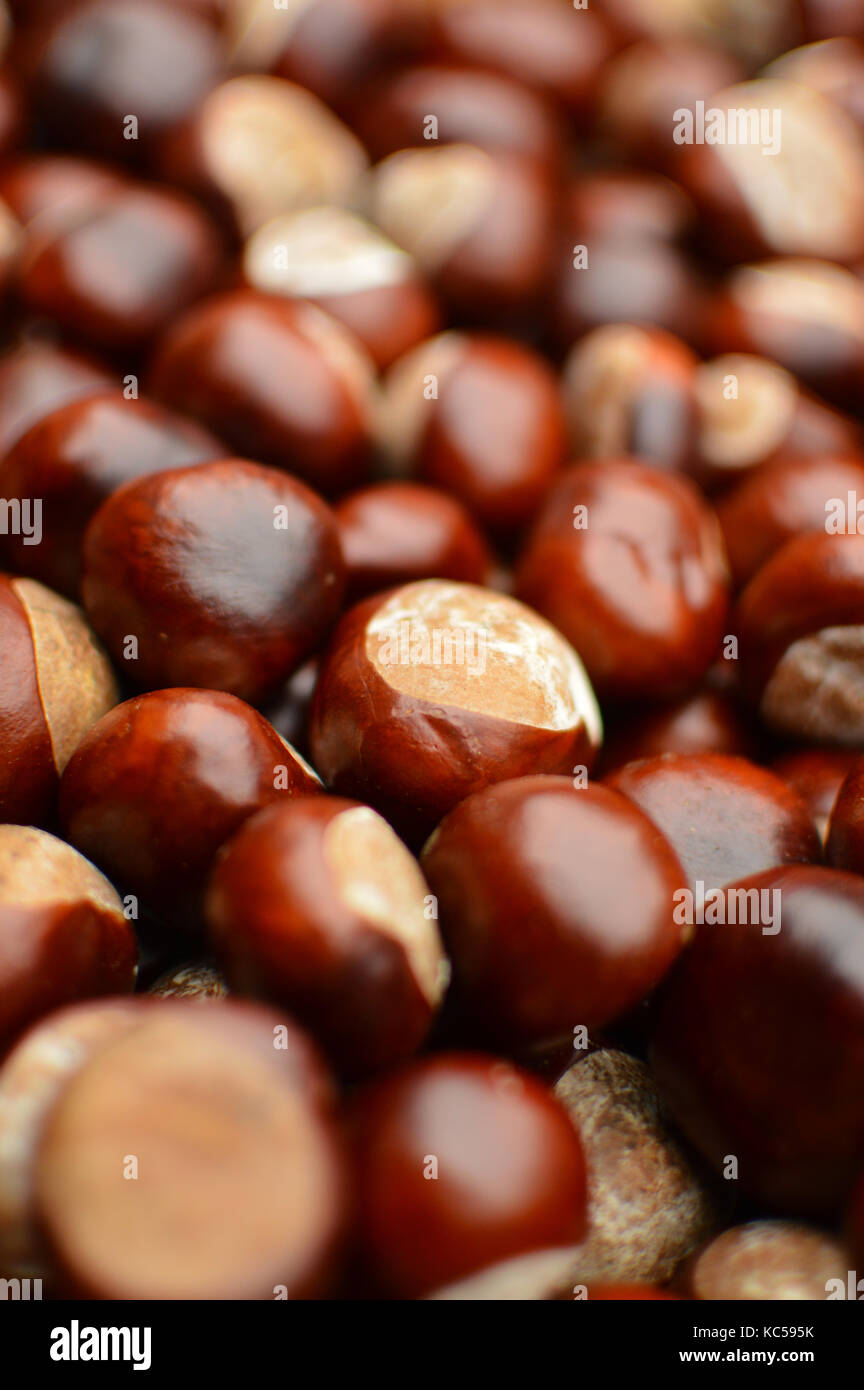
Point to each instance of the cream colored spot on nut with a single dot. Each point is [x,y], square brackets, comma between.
[803,289]
[256,31]
[430,201]
[31,1078]
[739,429]
[238,1182]
[408,398]
[808,198]
[380,880]
[272,147]
[599,380]
[773,1260]
[472,649]
[816,690]
[38,870]
[76,683]
[323,251]
[344,352]
[544,1274]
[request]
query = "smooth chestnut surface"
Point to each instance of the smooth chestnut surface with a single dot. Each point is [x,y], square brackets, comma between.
[724,817]
[63,934]
[121,273]
[279,381]
[106,58]
[435,690]
[782,499]
[471,107]
[328,46]
[188,1082]
[630,389]
[508,1165]
[339,261]
[55,683]
[726,1043]
[543,44]
[537,851]
[75,457]
[394,533]
[801,627]
[752,411]
[628,562]
[478,223]
[37,377]
[45,191]
[226,574]
[163,781]
[845,846]
[710,721]
[817,774]
[766,1260]
[480,417]
[32,1077]
[319,907]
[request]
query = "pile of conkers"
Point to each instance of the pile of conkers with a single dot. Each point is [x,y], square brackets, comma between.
[432,649]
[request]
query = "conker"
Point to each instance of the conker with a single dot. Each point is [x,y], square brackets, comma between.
[435,690]
[808,315]
[319,907]
[781,499]
[395,533]
[32,1076]
[817,774]
[468,106]
[727,1038]
[118,274]
[711,721]
[163,781]
[800,623]
[478,416]
[75,457]
[649,1201]
[63,933]
[223,575]
[535,850]
[724,816]
[766,1260]
[265,1221]
[257,147]
[103,59]
[478,223]
[846,828]
[628,562]
[280,381]
[55,683]
[347,267]
[751,411]
[462,1162]
[37,377]
[631,390]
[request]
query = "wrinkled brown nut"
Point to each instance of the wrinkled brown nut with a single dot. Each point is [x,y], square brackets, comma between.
[649,1204]
[199,980]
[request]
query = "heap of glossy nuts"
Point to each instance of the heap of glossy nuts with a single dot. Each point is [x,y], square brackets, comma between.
[432,649]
